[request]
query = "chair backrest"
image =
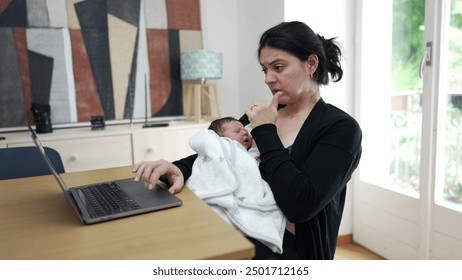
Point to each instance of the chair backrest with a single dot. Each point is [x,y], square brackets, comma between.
[21,162]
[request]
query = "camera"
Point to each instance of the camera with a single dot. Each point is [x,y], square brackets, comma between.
[41,113]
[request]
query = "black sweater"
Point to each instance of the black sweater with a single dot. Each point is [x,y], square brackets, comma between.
[309,183]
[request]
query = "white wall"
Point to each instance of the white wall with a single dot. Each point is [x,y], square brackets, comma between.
[331,18]
[234,28]
[220,33]
[255,16]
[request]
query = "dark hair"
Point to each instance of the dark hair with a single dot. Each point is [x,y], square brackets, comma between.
[301,41]
[216,124]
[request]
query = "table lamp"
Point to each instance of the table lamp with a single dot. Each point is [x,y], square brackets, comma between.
[200,66]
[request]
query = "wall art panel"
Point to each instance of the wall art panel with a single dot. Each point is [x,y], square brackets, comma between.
[115,58]
[57,13]
[12,110]
[20,40]
[53,42]
[155,12]
[37,13]
[88,102]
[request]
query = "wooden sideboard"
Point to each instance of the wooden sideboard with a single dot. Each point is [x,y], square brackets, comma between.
[117,145]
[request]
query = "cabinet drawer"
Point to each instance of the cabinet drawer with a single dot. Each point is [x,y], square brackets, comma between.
[147,145]
[164,143]
[176,144]
[121,145]
[92,153]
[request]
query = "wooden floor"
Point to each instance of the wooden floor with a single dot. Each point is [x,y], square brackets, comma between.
[353,251]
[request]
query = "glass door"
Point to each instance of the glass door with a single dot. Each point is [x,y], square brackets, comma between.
[386,196]
[407,196]
[446,223]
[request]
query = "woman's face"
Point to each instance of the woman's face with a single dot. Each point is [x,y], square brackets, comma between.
[286,73]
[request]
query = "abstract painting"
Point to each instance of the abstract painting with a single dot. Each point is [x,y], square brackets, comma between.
[115,58]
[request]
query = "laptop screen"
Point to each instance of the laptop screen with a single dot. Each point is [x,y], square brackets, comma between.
[46,158]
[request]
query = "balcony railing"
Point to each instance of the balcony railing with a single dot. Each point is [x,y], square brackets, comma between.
[405,144]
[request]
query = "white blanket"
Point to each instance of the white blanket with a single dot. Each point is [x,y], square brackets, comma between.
[227,178]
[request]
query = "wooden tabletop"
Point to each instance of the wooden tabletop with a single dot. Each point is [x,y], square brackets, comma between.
[37,222]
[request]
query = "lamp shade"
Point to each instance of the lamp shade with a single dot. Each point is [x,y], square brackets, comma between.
[201,64]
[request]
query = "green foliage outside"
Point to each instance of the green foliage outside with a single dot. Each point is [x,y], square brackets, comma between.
[408,46]
[408,43]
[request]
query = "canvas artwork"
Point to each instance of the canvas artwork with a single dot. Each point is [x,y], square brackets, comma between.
[114,58]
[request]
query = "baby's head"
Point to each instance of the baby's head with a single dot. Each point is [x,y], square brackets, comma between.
[232,128]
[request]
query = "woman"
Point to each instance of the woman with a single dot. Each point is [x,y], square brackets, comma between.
[308,149]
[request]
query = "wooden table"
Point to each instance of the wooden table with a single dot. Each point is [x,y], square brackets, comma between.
[37,222]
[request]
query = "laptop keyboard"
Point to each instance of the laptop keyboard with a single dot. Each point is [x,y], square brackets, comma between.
[107,198]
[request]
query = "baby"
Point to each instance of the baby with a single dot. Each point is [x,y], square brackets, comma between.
[235,130]
[226,176]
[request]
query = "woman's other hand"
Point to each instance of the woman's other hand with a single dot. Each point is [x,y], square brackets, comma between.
[262,112]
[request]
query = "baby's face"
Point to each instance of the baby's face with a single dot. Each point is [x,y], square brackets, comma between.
[236,131]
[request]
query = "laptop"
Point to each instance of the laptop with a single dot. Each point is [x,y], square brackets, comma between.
[104,201]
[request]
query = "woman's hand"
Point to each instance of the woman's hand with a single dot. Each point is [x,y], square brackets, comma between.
[262,112]
[152,171]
